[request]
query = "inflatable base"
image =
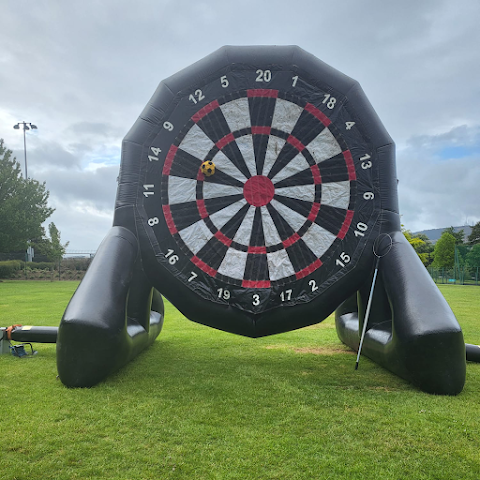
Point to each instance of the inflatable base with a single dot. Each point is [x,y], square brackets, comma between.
[411,329]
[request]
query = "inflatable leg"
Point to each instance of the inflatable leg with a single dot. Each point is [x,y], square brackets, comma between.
[109,319]
[411,330]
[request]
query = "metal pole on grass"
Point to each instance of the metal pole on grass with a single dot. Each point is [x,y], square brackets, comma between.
[376,252]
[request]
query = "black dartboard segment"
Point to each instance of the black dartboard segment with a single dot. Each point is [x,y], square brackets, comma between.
[293,197]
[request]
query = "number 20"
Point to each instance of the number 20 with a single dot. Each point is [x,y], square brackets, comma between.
[263,75]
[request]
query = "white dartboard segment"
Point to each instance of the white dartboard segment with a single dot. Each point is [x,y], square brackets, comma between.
[286,115]
[324,146]
[237,114]
[196,143]
[181,190]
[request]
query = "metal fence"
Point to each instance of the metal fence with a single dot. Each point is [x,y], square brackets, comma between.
[460,275]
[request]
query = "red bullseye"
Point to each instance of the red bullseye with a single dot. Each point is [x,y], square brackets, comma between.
[258,190]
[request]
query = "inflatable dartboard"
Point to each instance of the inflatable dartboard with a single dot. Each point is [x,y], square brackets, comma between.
[257,187]
[255,190]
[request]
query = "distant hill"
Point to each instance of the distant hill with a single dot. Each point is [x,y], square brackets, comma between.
[436,233]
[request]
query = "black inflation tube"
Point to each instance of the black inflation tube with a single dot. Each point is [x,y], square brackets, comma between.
[473,352]
[27,333]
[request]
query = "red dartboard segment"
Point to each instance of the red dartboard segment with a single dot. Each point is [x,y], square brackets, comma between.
[169,160]
[223,238]
[318,114]
[169,219]
[256,284]
[350,165]
[203,266]
[308,270]
[296,143]
[317,178]
[346,225]
[262,92]
[205,111]
[314,212]
[256,130]
[291,240]
[202,209]
[252,249]
[225,141]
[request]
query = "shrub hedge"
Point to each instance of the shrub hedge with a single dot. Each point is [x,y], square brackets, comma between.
[9,267]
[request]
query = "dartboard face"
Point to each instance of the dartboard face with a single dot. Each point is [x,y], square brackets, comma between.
[259,187]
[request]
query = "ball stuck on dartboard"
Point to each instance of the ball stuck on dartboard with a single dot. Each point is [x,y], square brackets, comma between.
[208,168]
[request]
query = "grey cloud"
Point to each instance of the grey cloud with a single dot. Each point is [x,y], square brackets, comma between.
[95,188]
[437,192]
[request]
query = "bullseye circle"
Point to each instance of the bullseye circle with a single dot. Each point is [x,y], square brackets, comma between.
[258,190]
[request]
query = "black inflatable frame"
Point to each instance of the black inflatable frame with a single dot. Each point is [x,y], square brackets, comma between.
[117,310]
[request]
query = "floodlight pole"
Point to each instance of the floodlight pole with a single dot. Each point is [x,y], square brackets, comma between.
[26,126]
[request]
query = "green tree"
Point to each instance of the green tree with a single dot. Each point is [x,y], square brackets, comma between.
[53,247]
[421,244]
[444,252]
[459,236]
[474,236]
[473,256]
[23,205]
[461,251]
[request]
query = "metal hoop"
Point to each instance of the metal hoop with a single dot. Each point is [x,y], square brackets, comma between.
[377,247]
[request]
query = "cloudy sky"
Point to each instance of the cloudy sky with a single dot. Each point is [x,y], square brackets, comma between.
[83,71]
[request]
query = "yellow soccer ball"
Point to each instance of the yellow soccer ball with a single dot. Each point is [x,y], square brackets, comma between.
[208,168]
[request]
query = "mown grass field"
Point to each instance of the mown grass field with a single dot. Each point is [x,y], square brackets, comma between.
[203,404]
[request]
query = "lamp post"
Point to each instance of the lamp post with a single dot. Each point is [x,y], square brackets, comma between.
[26,126]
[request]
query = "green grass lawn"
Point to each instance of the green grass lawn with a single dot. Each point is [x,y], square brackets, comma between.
[203,404]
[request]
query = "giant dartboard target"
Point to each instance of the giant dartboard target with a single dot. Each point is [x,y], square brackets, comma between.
[291,197]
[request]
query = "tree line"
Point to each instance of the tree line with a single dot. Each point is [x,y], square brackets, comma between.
[23,210]
[442,254]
